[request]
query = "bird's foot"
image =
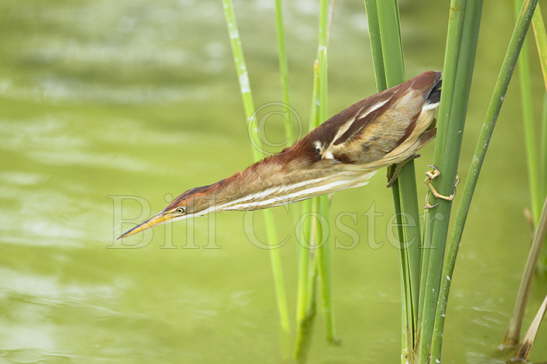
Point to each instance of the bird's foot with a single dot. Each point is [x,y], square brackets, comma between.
[430,176]
[394,170]
[430,206]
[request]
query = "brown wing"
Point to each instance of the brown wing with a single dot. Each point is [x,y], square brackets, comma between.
[369,129]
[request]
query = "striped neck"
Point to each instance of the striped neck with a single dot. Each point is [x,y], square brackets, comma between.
[294,189]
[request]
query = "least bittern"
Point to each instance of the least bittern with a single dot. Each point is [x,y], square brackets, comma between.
[344,152]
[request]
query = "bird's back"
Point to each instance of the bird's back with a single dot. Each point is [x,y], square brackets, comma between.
[371,128]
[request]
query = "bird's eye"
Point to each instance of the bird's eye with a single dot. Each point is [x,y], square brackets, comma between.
[180,210]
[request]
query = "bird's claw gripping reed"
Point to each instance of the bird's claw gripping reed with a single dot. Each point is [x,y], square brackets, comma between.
[430,176]
[344,152]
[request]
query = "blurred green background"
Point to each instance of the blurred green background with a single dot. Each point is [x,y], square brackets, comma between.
[101,99]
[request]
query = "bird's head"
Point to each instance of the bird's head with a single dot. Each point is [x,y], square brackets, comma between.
[192,203]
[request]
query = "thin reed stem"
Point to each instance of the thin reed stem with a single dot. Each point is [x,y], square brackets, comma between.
[540,36]
[283,70]
[304,295]
[319,207]
[530,132]
[477,160]
[544,145]
[324,267]
[542,264]
[324,262]
[461,44]
[538,26]
[248,104]
[305,309]
[513,333]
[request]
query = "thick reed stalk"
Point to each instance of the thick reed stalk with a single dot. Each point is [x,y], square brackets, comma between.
[283,70]
[371,11]
[477,160]
[248,104]
[530,132]
[454,36]
[513,333]
[387,52]
[461,44]
[375,43]
[406,191]
[390,37]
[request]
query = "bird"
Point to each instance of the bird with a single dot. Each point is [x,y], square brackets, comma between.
[344,152]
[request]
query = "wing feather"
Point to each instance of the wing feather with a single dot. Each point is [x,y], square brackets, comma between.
[368,130]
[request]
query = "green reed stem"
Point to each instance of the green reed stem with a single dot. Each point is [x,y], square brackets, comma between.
[492,113]
[324,263]
[543,153]
[461,44]
[390,37]
[530,132]
[384,19]
[305,309]
[540,36]
[283,70]
[536,184]
[375,43]
[248,104]
[544,145]
[324,267]
[542,264]
[371,11]
[406,190]
[318,208]
[387,53]
[426,253]
[305,245]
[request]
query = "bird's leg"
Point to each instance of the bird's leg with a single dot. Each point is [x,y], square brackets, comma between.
[430,176]
[394,170]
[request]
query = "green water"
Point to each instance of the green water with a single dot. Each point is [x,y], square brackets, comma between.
[103,102]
